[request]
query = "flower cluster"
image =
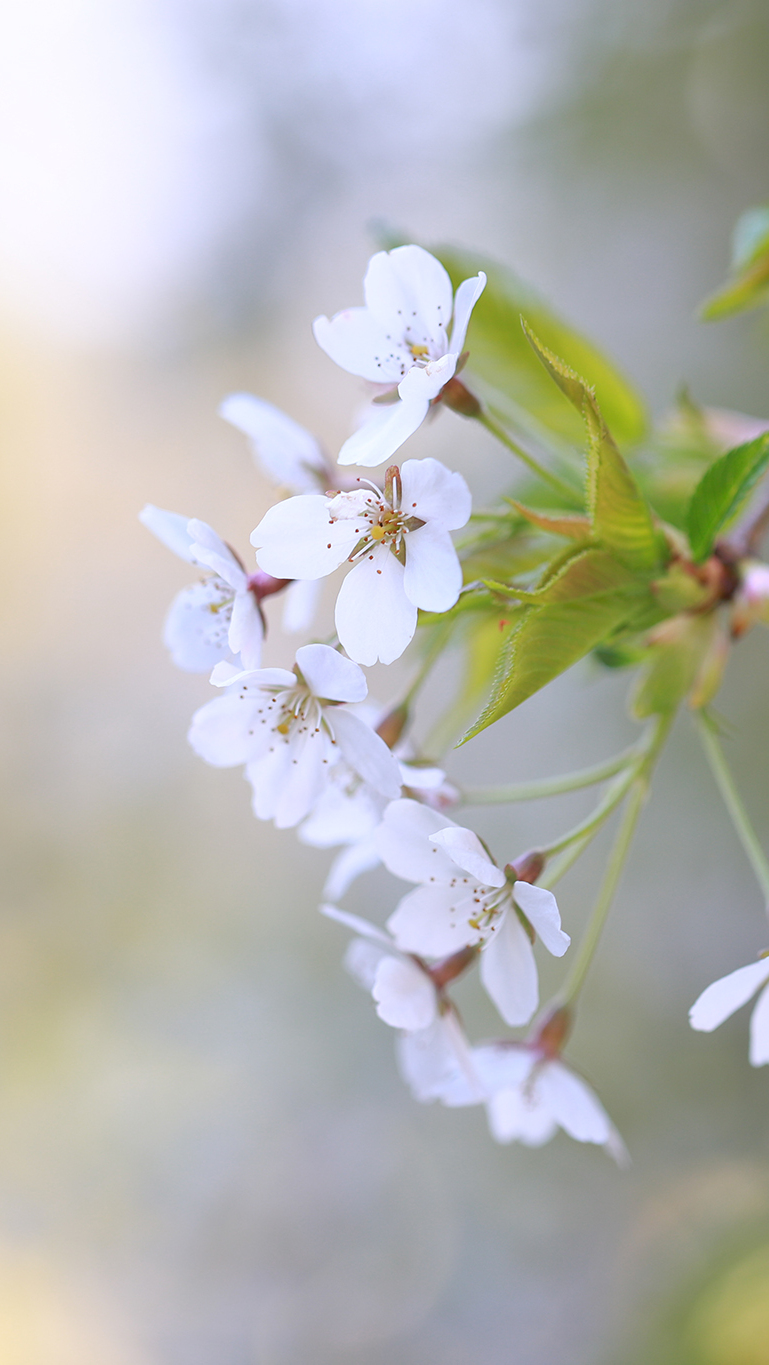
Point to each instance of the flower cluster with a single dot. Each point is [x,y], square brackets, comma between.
[321,757]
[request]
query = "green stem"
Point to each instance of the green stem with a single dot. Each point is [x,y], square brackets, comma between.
[590,826]
[560,865]
[564,490]
[549,786]
[639,788]
[733,801]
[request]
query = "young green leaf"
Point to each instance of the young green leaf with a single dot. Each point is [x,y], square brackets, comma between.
[619,512]
[500,357]
[748,285]
[547,641]
[720,492]
[573,527]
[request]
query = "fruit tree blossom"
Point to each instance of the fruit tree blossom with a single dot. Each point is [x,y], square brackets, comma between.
[289,731]
[397,540]
[730,993]
[464,899]
[401,338]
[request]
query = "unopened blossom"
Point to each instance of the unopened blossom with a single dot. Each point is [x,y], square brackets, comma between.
[750,603]
[730,993]
[465,900]
[286,452]
[218,619]
[529,1094]
[402,338]
[397,540]
[290,732]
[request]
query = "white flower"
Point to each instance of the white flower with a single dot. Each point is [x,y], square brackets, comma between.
[529,1094]
[288,731]
[750,603]
[400,338]
[285,451]
[465,899]
[728,994]
[398,541]
[218,619]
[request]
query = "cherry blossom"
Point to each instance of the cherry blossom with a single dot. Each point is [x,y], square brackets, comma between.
[289,731]
[218,619]
[464,899]
[401,339]
[750,603]
[283,450]
[730,993]
[397,540]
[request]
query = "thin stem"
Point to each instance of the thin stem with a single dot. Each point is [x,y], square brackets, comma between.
[560,865]
[549,786]
[639,788]
[733,801]
[564,490]
[593,822]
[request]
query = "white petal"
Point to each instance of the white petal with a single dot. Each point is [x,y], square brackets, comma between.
[434,493]
[358,925]
[517,1115]
[509,972]
[356,341]
[366,753]
[347,812]
[361,960]
[267,776]
[300,603]
[296,539]
[573,1104]
[404,995]
[328,674]
[284,449]
[220,731]
[436,1063]
[726,995]
[409,292]
[465,300]
[426,381]
[541,910]
[246,630]
[384,432]
[433,576]
[350,863]
[196,628]
[759,1031]
[170,528]
[503,1065]
[208,548]
[271,680]
[421,778]
[428,922]
[374,618]
[305,777]
[466,849]
[404,843]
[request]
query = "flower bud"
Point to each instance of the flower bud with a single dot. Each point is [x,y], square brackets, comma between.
[552,1033]
[391,728]
[459,398]
[751,602]
[527,868]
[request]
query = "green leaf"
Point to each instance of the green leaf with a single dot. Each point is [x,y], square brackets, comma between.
[720,492]
[500,356]
[676,662]
[572,527]
[547,641]
[748,285]
[618,510]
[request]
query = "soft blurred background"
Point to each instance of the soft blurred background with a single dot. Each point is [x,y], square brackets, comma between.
[206,1155]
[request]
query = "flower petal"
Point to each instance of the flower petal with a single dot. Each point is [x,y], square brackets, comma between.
[328,674]
[344,814]
[409,293]
[359,344]
[358,925]
[170,528]
[366,753]
[384,432]
[208,548]
[465,300]
[426,381]
[434,493]
[433,575]
[518,1115]
[426,922]
[404,843]
[467,851]
[348,865]
[361,959]
[300,603]
[509,972]
[541,910]
[759,1031]
[223,732]
[726,995]
[374,618]
[269,679]
[573,1104]
[436,1064]
[285,450]
[405,995]
[246,630]
[296,538]
[196,628]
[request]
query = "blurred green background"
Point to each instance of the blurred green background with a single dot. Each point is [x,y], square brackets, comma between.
[206,1155]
